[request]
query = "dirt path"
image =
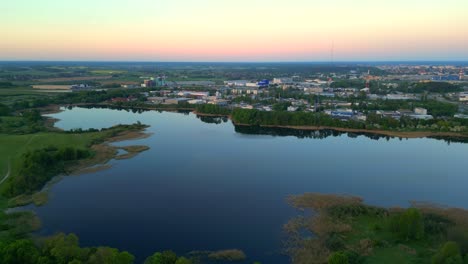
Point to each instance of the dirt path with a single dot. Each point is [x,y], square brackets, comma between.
[8,172]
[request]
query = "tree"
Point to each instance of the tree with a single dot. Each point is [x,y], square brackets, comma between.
[19,252]
[408,225]
[64,248]
[166,257]
[449,253]
[183,260]
[4,110]
[338,258]
[107,255]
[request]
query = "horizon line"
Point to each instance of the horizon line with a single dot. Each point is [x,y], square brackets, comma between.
[259,61]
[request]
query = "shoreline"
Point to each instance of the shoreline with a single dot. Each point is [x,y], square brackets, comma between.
[390,133]
[399,134]
[210,115]
[104,153]
[109,105]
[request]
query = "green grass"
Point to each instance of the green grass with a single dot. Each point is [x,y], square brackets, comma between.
[10,95]
[13,146]
[391,255]
[107,72]
[391,250]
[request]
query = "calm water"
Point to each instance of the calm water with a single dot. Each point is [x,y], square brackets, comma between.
[204,186]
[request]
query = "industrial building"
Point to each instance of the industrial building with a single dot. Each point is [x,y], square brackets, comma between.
[283,80]
[420,111]
[176,100]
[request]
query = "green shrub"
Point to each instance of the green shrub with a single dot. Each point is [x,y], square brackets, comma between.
[338,258]
[449,253]
[408,225]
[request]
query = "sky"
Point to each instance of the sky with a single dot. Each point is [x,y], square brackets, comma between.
[234,30]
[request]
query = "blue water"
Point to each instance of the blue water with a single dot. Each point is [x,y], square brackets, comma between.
[203,186]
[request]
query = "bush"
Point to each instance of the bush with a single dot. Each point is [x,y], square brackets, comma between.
[449,253]
[4,110]
[338,258]
[166,257]
[408,225]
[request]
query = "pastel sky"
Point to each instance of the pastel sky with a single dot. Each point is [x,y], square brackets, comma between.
[234,30]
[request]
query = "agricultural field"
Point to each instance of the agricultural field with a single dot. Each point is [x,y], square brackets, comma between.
[74,79]
[9,96]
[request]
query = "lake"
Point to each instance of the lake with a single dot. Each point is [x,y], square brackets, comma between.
[206,185]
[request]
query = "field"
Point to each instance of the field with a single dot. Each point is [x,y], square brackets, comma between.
[8,96]
[104,71]
[51,87]
[13,146]
[68,79]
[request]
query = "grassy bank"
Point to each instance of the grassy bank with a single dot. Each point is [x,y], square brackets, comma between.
[16,148]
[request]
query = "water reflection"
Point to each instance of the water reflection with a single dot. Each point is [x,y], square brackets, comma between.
[213,119]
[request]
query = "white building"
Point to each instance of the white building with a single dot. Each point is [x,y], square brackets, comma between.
[193,93]
[282,80]
[292,108]
[246,90]
[236,83]
[219,102]
[313,90]
[196,101]
[251,84]
[420,111]
[463,97]
[400,97]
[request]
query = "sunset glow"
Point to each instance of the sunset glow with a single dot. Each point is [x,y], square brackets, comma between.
[234,30]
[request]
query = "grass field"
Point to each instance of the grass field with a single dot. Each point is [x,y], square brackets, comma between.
[51,87]
[376,229]
[78,79]
[13,146]
[104,71]
[10,95]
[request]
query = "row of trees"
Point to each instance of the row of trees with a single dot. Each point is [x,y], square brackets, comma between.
[374,121]
[212,109]
[7,85]
[75,98]
[166,257]
[65,249]
[435,87]
[59,249]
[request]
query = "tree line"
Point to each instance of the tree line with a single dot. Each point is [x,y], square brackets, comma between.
[39,166]
[65,249]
